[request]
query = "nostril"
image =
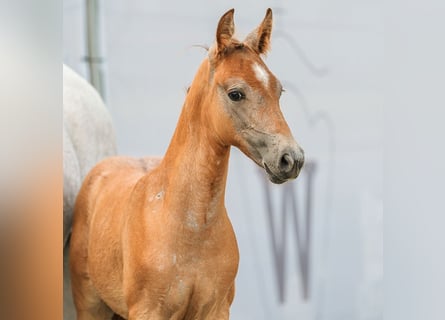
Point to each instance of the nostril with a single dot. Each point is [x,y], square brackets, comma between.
[286,162]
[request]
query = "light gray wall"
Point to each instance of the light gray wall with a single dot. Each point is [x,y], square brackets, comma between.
[333,104]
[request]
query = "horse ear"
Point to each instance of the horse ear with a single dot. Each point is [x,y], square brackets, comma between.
[225,31]
[259,39]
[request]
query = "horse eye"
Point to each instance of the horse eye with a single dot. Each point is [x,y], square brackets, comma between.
[236,95]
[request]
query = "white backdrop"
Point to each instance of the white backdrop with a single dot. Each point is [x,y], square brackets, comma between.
[329,56]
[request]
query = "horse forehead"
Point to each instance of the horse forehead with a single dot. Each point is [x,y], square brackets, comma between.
[253,70]
[261,74]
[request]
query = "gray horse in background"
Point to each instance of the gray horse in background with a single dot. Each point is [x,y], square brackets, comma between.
[88,137]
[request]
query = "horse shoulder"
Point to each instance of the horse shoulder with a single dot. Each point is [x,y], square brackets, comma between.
[112,180]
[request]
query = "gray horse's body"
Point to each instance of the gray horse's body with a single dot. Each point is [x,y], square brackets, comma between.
[88,137]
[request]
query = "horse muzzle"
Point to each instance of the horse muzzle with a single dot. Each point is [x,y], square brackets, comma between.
[286,165]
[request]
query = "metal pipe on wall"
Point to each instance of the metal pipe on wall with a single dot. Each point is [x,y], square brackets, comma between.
[94,57]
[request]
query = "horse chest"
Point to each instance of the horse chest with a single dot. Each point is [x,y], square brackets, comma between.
[194,295]
[200,266]
[191,279]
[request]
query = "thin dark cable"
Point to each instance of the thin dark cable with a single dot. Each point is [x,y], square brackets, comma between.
[316,70]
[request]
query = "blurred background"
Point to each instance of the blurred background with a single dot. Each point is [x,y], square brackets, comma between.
[312,248]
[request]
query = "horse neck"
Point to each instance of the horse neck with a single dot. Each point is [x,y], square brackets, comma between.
[196,162]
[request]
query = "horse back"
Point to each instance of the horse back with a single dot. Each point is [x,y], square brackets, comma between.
[110,181]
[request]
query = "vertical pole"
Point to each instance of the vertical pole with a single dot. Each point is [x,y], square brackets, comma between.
[94,57]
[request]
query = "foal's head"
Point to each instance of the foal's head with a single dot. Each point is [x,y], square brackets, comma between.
[245,110]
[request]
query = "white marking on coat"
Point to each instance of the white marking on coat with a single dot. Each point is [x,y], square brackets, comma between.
[160,195]
[261,74]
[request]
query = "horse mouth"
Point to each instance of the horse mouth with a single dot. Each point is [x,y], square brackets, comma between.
[272,176]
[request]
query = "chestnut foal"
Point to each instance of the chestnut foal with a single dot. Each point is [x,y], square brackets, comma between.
[151,237]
